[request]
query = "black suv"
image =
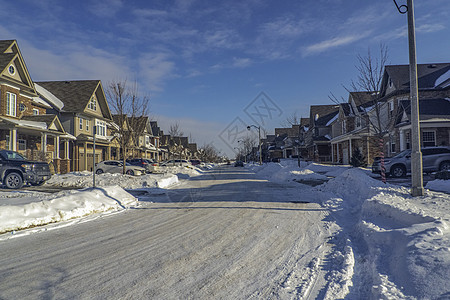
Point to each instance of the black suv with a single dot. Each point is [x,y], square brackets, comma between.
[15,170]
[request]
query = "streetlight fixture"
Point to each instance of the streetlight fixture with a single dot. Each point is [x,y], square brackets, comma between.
[259,140]
[416,155]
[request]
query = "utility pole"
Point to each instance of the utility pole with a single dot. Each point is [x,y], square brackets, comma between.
[416,154]
[94,132]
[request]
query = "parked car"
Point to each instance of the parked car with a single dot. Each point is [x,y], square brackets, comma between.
[433,159]
[16,170]
[195,162]
[149,165]
[116,166]
[176,162]
[239,164]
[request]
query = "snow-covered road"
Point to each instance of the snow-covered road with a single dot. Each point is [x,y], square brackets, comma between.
[224,234]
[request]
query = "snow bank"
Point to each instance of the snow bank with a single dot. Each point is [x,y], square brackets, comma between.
[439,185]
[64,206]
[400,241]
[84,179]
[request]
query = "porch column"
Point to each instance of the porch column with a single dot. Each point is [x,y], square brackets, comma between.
[56,142]
[85,156]
[109,153]
[332,153]
[402,140]
[66,149]
[350,150]
[337,153]
[44,143]
[13,139]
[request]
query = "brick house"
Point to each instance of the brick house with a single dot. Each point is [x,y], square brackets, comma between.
[25,125]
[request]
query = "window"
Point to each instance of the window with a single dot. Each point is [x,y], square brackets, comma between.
[8,142]
[81,124]
[393,148]
[358,121]
[408,140]
[429,138]
[22,144]
[344,126]
[12,70]
[147,140]
[35,111]
[101,128]
[11,104]
[87,125]
[92,103]
[391,108]
[22,107]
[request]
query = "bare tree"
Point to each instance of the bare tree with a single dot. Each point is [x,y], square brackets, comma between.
[370,75]
[292,119]
[129,108]
[208,152]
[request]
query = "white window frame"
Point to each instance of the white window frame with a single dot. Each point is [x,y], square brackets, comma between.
[11,103]
[21,142]
[101,128]
[80,126]
[35,111]
[426,140]
[87,125]
[92,103]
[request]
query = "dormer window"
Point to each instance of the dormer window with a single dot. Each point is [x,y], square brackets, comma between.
[92,103]
[390,83]
[12,70]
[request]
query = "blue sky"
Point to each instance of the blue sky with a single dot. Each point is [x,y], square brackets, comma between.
[203,62]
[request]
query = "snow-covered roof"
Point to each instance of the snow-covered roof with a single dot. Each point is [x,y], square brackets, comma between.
[332,120]
[26,123]
[49,97]
[444,77]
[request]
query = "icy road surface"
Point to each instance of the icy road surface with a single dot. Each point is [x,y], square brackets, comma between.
[225,234]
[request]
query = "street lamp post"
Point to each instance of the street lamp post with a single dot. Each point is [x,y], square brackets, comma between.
[416,155]
[259,140]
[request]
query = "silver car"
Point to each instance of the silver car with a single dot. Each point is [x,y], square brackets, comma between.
[433,159]
[116,166]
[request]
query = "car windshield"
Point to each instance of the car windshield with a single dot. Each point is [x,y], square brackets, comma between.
[11,155]
[402,154]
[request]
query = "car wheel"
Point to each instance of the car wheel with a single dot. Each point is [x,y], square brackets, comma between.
[99,171]
[129,172]
[13,181]
[444,166]
[398,171]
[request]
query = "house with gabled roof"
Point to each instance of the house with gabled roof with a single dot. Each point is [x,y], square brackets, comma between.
[25,125]
[434,112]
[318,137]
[84,106]
[355,126]
[351,128]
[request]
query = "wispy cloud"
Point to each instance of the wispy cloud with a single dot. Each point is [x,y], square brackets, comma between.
[105,8]
[155,69]
[332,43]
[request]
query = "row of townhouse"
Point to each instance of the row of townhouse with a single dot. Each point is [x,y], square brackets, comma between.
[54,121]
[333,132]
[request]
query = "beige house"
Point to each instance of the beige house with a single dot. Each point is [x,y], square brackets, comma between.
[84,106]
[25,125]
